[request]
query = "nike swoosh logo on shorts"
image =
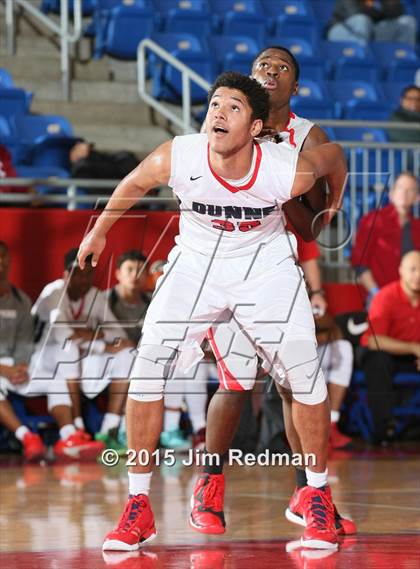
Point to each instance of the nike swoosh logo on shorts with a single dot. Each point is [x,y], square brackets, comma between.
[356,329]
[196,178]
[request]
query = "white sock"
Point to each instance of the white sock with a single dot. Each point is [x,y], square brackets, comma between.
[316,479]
[171,420]
[79,424]
[67,431]
[21,432]
[335,416]
[139,483]
[110,421]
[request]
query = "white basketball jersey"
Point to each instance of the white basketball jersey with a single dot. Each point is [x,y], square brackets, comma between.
[231,218]
[296,131]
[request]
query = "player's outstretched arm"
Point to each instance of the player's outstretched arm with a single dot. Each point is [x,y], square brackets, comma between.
[326,160]
[153,171]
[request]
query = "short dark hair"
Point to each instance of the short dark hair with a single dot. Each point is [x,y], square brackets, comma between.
[409,88]
[285,49]
[256,95]
[4,245]
[70,259]
[131,255]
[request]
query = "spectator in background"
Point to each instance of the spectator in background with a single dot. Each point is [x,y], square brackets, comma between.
[367,20]
[74,313]
[128,302]
[336,358]
[409,112]
[19,369]
[86,162]
[392,342]
[385,235]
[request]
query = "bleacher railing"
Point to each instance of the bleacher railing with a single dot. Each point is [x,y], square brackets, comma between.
[66,35]
[185,121]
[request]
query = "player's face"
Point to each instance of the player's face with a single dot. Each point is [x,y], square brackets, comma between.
[80,282]
[275,71]
[410,271]
[4,263]
[228,123]
[131,275]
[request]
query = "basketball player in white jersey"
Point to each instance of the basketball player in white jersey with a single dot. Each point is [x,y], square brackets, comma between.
[277,70]
[232,255]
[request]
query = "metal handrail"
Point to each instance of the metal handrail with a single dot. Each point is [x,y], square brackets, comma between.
[67,37]
[188,74]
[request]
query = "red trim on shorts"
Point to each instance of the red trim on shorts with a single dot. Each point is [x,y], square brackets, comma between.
[226,379]
[251,182]
[291,131]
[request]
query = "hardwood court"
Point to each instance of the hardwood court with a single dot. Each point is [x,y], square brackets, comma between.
[55,517]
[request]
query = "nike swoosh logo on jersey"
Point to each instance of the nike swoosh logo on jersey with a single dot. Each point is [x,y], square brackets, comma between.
[196,178]
[356,329]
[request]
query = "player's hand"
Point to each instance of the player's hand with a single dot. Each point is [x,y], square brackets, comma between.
[319,305]
[93,244]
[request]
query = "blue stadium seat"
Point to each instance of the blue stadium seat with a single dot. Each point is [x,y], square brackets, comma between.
[368,111]
[102,15]
[231,50]
[350,61]
[32,128]
[5,79]
[313,101]
[246,24]
[46,139]
[398,60]
[5,130]
[48,6]
[165,6]
[14,101]
[392,92]
[182,41]
[127,27]
[240,63]
[307,30]
[323,10]
[298,46]
[195,22]
[350,95]
[219,9]
[167,81]
[313,108]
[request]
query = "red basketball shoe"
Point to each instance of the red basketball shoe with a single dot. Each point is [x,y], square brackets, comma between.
[318,513]
[78,446]
[338,439]
[135,527]
[207,504]
[33,447]
[294,513]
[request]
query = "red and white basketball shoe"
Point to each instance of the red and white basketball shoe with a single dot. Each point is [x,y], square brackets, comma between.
[78,446]
[337,439]
[33,447]
[318,513]
[136,526]
[207,514]
[294,513]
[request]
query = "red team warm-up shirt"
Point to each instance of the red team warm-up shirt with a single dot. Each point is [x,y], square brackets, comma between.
[391,314]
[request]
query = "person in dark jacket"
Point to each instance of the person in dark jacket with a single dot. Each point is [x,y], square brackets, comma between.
[409,112]
[365,20]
